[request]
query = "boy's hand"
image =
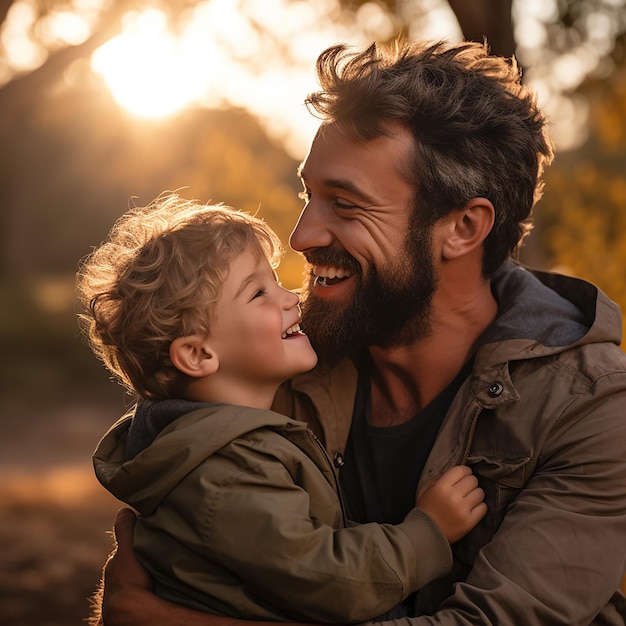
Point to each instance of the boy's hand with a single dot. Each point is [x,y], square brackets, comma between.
[454,501]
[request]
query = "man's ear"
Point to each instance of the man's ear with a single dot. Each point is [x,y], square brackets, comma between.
[193,356]
[467,228]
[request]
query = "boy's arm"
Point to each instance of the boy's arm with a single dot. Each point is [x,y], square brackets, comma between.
[453,500]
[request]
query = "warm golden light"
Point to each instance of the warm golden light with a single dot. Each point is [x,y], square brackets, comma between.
[257,56]
[149,71]
[225,54]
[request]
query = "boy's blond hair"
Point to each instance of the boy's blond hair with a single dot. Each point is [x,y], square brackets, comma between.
[157,277]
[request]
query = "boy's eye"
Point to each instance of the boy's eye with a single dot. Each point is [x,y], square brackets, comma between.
[259,293]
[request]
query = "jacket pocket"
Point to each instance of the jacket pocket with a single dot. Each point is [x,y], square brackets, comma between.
[505,471]
[501,479]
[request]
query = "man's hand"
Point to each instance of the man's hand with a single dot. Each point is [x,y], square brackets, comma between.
[127,596]
[454,501]
[125,581]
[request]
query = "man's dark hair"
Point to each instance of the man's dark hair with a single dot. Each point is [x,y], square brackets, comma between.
[478,131]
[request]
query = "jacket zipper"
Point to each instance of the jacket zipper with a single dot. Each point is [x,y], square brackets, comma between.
[470,435]
[336,486]
[468,444]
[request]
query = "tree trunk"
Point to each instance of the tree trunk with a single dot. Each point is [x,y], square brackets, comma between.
[490,19]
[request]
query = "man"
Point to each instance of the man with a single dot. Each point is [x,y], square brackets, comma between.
[438,349]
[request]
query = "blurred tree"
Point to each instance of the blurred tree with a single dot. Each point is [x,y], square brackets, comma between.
[487,19]
[559,27]
[80,160]
[582,214]
[78,163]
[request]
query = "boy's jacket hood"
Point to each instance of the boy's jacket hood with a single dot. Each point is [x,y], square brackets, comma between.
[188,439]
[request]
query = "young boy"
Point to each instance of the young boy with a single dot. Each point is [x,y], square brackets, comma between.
[240,512]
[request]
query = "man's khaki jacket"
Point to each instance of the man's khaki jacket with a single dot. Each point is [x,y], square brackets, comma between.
[542,422]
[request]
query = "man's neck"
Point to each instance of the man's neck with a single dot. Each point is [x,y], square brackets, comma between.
[406,379]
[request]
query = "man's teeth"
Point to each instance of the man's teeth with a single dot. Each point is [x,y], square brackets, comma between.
[329,271]
[326,273]
[291,331]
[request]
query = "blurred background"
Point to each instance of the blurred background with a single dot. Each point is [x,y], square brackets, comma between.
[106,103]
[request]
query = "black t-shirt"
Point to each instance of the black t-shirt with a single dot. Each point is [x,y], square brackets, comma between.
[383,464]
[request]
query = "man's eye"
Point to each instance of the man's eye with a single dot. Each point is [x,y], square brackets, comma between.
[343,205]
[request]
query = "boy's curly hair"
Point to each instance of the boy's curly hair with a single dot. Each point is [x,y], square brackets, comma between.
[157,277]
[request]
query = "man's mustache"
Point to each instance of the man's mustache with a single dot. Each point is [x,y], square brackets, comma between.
[332,256]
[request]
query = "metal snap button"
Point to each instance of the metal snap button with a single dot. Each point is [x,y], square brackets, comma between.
[495,389]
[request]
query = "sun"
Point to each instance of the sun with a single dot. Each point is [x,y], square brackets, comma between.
[150,72]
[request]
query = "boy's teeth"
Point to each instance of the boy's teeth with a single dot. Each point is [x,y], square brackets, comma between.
[291,330]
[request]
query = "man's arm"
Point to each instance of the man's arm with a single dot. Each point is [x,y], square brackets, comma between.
[127,597]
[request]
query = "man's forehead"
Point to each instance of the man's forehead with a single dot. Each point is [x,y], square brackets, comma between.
[337,160]
[330,152]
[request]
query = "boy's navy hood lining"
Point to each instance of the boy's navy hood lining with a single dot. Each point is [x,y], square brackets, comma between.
[150,418]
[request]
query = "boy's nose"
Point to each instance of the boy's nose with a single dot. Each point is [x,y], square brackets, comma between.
[291,300]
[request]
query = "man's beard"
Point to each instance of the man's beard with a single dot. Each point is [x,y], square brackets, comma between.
[389,308]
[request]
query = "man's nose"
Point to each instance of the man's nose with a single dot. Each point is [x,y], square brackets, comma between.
[312,229]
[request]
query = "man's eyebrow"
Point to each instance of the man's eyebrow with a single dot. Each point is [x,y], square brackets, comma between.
[341,183]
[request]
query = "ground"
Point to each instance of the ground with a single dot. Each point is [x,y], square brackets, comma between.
[54,516]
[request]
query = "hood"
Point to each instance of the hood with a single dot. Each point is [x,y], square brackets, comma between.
[544,313]
[187,440]
[539,314]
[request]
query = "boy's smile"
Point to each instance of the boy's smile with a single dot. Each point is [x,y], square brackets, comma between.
[256,331]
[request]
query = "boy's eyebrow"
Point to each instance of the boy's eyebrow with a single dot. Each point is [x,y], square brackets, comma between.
[245,282]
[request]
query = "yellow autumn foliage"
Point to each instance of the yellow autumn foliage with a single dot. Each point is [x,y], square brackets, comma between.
[583,213]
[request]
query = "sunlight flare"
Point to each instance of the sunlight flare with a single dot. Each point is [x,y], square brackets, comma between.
[149,71]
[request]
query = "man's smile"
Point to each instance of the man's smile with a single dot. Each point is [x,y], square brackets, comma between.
[328,275]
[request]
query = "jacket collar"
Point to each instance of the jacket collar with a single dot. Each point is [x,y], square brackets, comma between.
[539,314]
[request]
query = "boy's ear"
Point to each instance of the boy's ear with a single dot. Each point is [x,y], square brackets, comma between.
[468,228]
[193,356]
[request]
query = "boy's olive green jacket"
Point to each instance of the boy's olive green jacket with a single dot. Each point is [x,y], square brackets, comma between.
[240,516]
[542,422]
